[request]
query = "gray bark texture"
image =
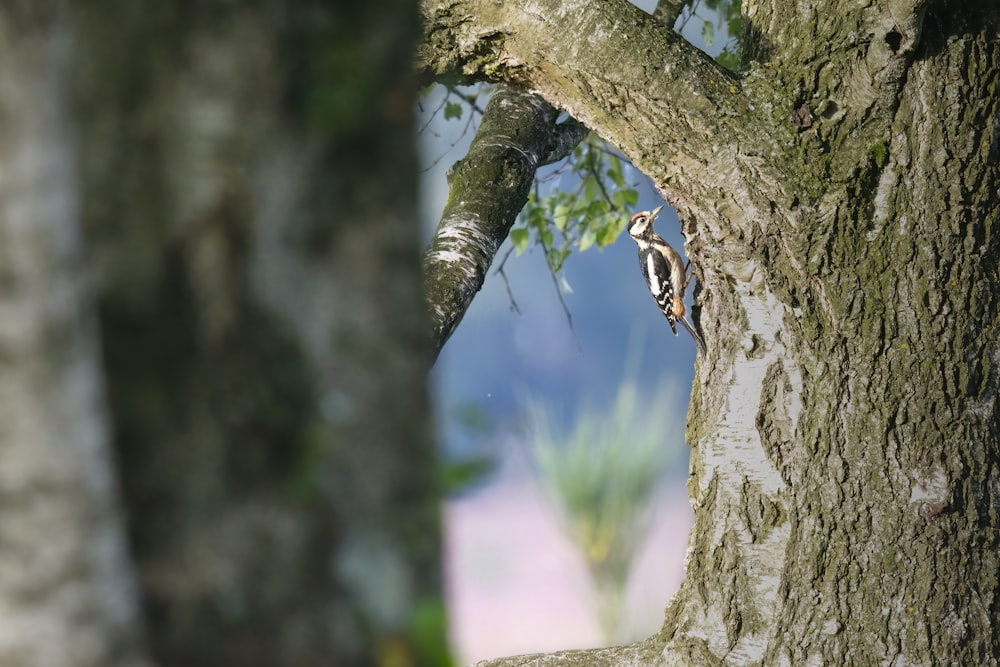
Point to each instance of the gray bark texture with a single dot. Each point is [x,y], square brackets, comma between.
[67,592]
[209,260]
[840,201]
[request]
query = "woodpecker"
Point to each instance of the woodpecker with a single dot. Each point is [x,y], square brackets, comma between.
[664,271]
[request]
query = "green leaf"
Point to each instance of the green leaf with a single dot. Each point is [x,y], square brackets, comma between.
[545,234]
[557,256]
[536,217]
[615,172]
[591,188]
[708,33]
[452,110]
[735,26]
[458,476]
[607,234]
[729,60]
[519,237]
[586,240]
[625,198]
[561,216]
[599,208]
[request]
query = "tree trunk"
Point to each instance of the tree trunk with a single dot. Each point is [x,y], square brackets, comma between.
[841,204]
[67,594]
[251,182]
[850,518]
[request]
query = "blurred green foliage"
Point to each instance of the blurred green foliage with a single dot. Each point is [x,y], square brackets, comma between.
[602,473]
[427,631]
[458,475]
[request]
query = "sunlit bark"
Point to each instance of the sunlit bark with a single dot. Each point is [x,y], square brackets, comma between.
[488,188]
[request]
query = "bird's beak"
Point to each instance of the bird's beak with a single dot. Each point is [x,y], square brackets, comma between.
[655,212]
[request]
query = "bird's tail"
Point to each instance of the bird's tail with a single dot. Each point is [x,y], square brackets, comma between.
[694,334]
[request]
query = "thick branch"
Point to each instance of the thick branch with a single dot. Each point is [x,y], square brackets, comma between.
[665,104]
[565,137]
[488,189]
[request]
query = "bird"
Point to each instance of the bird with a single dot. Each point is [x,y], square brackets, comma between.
[664,271]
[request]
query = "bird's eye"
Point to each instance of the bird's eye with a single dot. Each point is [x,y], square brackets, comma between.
[641,219]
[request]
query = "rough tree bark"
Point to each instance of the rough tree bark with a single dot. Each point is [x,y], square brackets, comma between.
[840,201]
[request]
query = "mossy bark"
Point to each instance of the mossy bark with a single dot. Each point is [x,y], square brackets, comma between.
[488,188]
[840,201]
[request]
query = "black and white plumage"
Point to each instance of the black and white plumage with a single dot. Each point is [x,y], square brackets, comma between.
[664,271]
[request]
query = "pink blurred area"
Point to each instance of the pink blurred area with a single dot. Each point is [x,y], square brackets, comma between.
[515,584]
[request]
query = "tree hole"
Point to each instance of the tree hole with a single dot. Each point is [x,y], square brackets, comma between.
[894,39]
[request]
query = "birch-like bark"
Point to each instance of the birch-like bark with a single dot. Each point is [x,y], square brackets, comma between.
[67,593]
[841,208]
[488,188]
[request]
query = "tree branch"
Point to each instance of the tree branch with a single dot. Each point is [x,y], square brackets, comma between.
[670,108]
[488,189]
[667,11]
[565,137]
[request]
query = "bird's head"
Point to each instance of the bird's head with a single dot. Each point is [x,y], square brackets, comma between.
[641,224]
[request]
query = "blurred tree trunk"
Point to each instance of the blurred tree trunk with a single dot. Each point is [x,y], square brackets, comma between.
[248,182]
[67,595]
[840,201]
